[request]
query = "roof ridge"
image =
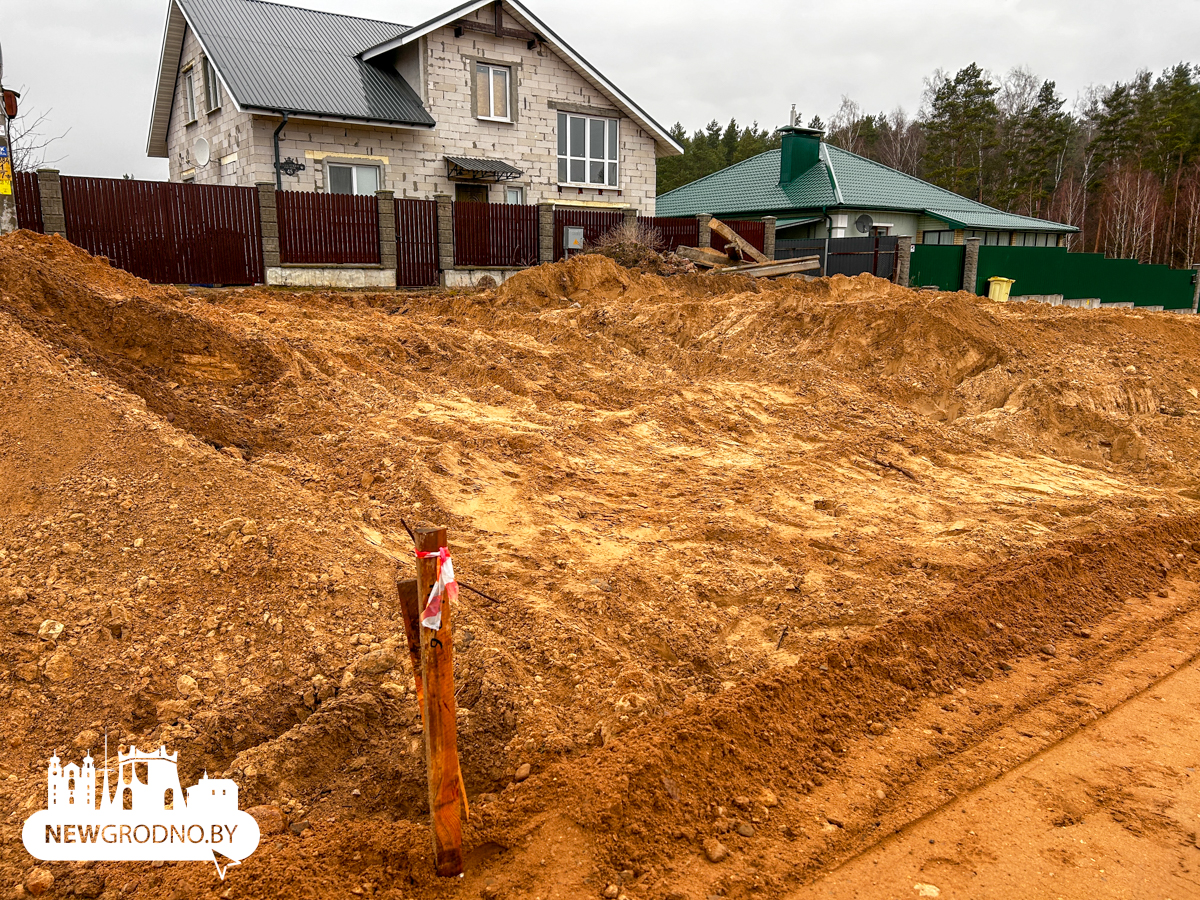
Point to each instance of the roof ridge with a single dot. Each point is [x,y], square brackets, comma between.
[323,12]
[936,187]
[718,172]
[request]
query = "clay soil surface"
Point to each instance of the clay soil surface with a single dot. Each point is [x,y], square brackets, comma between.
[793,589]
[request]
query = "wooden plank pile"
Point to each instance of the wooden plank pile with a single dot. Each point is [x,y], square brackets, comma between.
[739,249]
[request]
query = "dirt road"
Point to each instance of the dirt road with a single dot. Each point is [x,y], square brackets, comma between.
[1111,811]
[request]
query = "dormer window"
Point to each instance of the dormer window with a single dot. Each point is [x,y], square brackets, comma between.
[492,92]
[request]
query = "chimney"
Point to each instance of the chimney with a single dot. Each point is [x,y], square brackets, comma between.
[800,152]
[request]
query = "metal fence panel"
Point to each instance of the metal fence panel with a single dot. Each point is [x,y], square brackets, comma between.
[847,256]
[594,223]
[934,265]
[167,233]
[1080,276]
[675,232]
[327,229]
[492,234]
[416,243]
[29,200]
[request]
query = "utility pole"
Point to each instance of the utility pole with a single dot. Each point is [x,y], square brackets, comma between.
[8,200]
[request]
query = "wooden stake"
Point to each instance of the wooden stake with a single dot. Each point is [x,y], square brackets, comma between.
[447,800]
[411,611]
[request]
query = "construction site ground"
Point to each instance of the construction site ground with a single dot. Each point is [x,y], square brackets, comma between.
[790,588]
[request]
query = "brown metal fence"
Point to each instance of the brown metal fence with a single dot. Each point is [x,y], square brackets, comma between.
[754,233]
[416,243]
[594,222]
[675,232]
[327,229]
[29,200]
[491,234]
[167,233]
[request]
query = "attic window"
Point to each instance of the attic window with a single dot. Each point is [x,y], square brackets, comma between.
[189,96]
[212,89]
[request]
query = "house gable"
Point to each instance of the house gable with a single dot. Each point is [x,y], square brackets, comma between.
[528,22]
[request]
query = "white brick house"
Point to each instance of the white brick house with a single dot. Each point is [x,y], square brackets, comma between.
[484,102]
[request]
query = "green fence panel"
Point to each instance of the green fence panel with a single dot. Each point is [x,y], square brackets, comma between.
[934,264]
[1052,270]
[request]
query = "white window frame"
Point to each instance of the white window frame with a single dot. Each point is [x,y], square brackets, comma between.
[612,179]
[353,167]
[212,88]
[189,94]
[520,195]
[488,103]
[938,231]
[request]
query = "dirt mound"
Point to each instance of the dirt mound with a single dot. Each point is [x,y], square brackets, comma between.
[140,335]
[721,528]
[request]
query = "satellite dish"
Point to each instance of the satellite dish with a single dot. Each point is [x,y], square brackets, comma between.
[863,223]
[200,152]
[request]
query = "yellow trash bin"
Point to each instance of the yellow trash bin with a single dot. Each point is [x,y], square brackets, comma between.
[998,288]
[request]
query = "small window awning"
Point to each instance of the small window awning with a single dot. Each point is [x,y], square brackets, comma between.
[481,169]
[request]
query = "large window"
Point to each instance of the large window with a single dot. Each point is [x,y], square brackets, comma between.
[491,92]
[212,90]
[189,96]
[353,179]
[938,237]
[587,150]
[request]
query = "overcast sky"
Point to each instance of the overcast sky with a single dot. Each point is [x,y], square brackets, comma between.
[92,63]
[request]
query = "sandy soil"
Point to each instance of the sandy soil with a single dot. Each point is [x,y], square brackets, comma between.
[739,536]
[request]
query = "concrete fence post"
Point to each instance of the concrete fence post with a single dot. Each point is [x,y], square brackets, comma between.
[545,232]
[445,231]
[904,261]
[54,219]
[387,228]
[971,265]
[631,216]
[769,237]
[1196,290]
[268,219]
[705,231]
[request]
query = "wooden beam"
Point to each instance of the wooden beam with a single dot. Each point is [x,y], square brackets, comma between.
[446,797]
[704,256]
[487,28]
[729,234]
[785,267]
[498,6]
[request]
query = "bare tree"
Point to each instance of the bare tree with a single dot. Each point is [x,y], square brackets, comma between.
[901,142]
[845,128]
[1018,93]
[30,142]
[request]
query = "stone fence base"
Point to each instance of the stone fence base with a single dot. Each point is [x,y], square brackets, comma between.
[375,277]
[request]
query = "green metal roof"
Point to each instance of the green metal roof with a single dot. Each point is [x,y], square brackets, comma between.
[842,180]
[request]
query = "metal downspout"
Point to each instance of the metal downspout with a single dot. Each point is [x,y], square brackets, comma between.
[275,139]
[828,229]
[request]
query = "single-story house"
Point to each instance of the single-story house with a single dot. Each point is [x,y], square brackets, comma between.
[815,190]
[483,102]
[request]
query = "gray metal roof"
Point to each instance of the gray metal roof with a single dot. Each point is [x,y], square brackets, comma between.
[276,57]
